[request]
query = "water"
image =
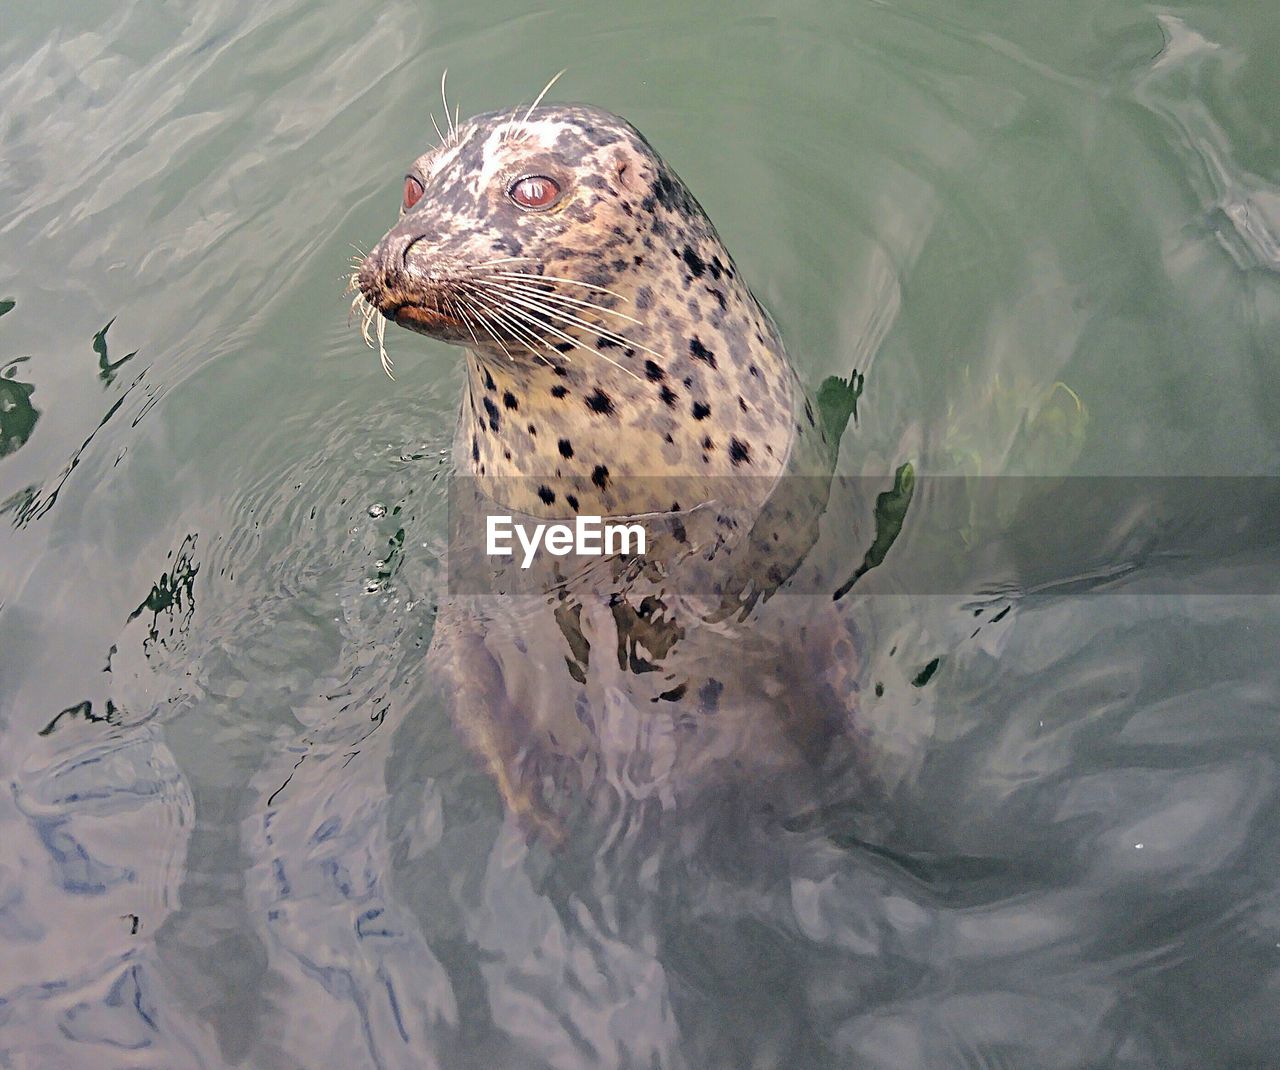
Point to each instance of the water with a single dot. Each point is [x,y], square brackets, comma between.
[238,827]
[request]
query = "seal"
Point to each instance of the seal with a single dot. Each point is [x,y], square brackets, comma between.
[616,364]
[609,334]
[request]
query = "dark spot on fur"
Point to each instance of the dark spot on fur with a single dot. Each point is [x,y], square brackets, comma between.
[533,431]
[708,444]
[668,437]
[808,413]
[606,343]
[742,404]
[701,410]
[644,298]
[558,391]
[739,451]
[509,400]
[489,384]
[547,495]
[655,373]
[600,402]
[475,449]
[754,371]
[668,396]
[600,476]
[675,694]
[492,410]
[566,448]
[724,307]
[573,501]
[701,352]
[696,264]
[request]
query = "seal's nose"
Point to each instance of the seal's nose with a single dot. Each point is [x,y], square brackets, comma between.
[382,275]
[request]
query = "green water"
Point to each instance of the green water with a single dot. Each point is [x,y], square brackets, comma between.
[239,830]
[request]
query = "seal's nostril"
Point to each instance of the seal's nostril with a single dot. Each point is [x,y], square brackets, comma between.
[404,254]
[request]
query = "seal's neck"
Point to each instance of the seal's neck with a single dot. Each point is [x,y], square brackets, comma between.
[702,391]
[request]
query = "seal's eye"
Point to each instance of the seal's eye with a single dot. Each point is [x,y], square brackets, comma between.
[412,191]
[534,191]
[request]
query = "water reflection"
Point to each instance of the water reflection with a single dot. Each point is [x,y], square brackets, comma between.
[258,841]
[18,418]
[17,415]
[106,367]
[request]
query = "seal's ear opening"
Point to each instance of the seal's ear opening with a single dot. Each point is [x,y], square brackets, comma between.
[620,165]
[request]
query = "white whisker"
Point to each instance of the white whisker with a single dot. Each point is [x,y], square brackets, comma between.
[524,276]
[484,323]
[382,348]
[448,117]
[577,321]
[506,260]
[519,331]
[538,99]
[577,302]
[528,317]
[555,332]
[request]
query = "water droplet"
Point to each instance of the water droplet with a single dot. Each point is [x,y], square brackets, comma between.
[377,509]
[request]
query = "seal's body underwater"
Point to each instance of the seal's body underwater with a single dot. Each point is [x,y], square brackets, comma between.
[617,364]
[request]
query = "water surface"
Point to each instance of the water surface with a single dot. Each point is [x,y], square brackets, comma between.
[238,827]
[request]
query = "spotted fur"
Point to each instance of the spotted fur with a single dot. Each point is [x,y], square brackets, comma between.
[672,368]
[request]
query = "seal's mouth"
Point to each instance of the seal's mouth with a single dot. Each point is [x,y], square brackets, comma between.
[398,285]
[424,319]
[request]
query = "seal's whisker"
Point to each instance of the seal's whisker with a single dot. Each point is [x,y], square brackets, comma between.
[555,332]
[463,318]
[532,303]
[528,317]
[525,276]
[447,114]
[464,303]
[497,312]
[538,100]
[489,330]
[578,321]
[511,131]
[437,126]
[521,332]
[506,260]
[577,302]
[511,314]
[383,358]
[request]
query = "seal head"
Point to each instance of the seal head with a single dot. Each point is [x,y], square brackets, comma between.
[608,331]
